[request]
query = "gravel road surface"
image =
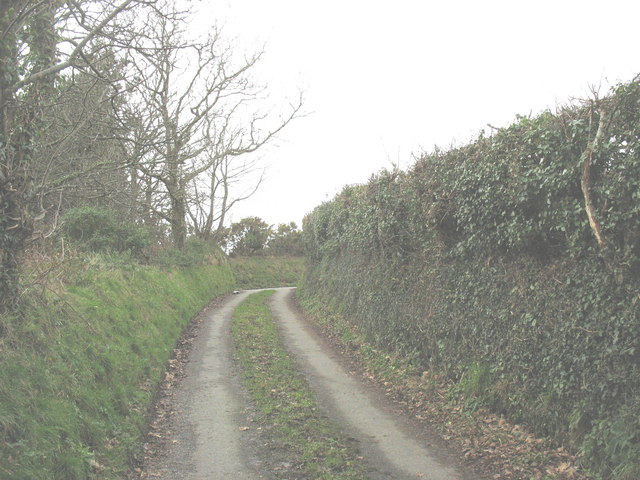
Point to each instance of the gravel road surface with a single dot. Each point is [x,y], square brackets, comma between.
[207,433]
[207,440]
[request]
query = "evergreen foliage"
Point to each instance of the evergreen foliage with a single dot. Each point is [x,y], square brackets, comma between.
[99,230]
[252,236]
[485,255]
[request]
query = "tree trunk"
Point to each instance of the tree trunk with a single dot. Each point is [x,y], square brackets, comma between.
[178,216]
[134,193]
[19,123]
[178,223]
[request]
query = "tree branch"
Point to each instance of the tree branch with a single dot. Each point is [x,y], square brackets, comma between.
[585,180]
[76,51]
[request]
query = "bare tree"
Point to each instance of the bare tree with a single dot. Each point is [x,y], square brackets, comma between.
[211,193]
[97,91]
[228,175]
[196,101]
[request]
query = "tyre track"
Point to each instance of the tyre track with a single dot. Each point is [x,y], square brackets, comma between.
[207,437]
[206,434]
[385,439]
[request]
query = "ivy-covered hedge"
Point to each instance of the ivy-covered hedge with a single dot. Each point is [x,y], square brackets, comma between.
[482,261]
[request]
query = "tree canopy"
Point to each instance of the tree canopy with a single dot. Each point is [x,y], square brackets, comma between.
[253,236]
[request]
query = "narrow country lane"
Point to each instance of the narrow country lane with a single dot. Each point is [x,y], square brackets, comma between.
[208,437]
[207,441]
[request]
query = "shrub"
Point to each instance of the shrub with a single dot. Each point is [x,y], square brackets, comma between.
[98,230]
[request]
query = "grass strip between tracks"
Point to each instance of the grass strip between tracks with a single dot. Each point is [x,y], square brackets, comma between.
[310,445]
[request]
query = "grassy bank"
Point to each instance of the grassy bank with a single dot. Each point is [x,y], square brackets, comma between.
[79,368]
[267,272]
[311,444]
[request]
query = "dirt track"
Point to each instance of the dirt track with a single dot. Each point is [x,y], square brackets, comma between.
[207,431]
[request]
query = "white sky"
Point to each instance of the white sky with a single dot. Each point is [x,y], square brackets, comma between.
[388,79]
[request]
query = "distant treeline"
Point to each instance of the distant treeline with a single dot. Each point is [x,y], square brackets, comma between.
[514,260]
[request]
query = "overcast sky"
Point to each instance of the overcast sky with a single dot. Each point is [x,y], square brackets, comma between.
[387,79]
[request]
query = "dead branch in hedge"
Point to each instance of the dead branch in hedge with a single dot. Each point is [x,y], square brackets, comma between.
[585,180]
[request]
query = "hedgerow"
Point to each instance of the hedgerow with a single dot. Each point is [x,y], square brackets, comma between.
[484,258]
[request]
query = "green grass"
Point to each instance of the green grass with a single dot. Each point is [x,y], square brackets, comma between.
[267,272]
[80,368]
[313,444]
